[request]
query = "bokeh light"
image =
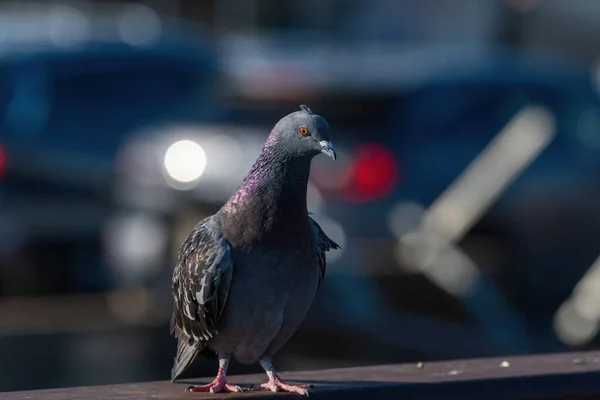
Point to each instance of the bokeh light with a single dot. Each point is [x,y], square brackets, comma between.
[185,161]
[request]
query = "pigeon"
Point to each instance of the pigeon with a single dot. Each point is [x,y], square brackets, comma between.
[246,276]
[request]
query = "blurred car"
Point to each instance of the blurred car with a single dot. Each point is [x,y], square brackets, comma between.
[68,103]
[542,225]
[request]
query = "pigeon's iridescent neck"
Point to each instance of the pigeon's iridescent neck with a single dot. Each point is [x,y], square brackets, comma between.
[271,200]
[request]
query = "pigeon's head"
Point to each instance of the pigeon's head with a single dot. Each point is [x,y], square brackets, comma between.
[304,133]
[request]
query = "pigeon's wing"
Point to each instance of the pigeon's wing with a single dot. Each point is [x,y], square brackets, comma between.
[324,243]
[201,282]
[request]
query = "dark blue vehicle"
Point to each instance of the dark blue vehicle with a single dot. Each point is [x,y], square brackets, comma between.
[545,223]
[65,111]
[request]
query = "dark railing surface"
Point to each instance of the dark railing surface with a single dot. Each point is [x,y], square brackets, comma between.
[574,376]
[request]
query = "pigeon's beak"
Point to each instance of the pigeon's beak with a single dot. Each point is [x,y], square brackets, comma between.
[327,148]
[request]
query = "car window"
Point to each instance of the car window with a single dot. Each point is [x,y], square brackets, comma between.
[477,111]
[97,107]
[91,104]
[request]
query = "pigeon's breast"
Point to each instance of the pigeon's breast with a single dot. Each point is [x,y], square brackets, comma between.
[271,292]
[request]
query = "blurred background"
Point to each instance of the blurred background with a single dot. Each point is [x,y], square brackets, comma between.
[466,195]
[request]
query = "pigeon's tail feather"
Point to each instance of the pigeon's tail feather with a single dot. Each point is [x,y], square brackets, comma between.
[186,353]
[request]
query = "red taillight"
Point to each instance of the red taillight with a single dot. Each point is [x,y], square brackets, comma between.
[374,173]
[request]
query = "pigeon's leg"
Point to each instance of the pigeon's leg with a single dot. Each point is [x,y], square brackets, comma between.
[275,383]
[219,384]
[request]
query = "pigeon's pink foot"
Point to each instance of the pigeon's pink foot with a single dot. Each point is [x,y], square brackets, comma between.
[276,385]
[219,385]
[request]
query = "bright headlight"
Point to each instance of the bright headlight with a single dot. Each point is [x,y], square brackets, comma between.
[185,161]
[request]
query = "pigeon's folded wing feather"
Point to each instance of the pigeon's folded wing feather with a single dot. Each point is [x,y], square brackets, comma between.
[324,244]
[201,283]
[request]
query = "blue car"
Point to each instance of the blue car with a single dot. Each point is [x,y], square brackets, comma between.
[528,248]
[65,112]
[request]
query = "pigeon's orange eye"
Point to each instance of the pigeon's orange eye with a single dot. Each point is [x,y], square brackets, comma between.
[303,131]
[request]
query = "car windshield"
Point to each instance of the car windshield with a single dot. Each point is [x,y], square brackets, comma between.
[90,104]
[443,112]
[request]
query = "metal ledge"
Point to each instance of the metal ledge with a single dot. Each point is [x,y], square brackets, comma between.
[552,376]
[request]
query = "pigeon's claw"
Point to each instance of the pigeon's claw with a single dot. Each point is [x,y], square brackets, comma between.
[277,385]
[219,385]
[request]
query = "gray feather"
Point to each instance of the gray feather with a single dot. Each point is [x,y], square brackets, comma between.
[324,244]
[186,354]
[201,283]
